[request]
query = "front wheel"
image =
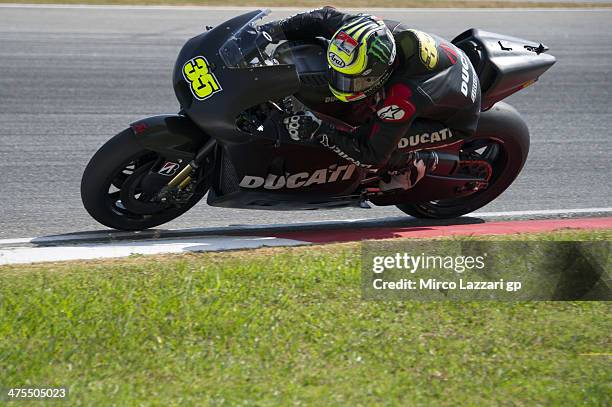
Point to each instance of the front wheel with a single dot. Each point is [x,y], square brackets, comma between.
[502,144]
[120,185]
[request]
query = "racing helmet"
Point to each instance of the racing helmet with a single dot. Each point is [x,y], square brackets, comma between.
[360,56]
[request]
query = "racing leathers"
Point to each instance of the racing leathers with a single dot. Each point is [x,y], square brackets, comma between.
[432,80]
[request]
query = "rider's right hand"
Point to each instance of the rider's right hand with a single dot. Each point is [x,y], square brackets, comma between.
[301,126]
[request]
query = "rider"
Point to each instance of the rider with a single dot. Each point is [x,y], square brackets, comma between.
[394,75]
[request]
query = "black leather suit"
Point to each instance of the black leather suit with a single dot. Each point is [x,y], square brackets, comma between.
[432,80]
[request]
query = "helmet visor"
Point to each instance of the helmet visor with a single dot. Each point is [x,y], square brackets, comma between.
[350,84]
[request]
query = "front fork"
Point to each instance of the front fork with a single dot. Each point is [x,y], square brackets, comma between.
[183,178]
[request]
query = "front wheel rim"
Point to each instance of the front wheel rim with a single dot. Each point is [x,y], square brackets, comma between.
[124,192]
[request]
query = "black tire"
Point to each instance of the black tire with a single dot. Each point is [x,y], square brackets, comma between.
[503,127]
[102,173]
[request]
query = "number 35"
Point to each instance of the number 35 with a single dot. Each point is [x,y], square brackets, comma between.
[203,82]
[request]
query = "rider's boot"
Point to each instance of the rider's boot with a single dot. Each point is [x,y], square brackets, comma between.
[419,164]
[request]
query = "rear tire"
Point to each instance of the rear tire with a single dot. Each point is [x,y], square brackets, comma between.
[503,127]
[112,164]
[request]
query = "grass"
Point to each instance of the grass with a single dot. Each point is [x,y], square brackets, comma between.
[287,326]
[336,3]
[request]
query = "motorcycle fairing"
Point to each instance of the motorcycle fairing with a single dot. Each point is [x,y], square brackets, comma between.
[235,165]
[240,87]
[504,64]
[289,176]
[237,85]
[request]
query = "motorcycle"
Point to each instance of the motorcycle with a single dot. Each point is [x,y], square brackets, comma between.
[231,79]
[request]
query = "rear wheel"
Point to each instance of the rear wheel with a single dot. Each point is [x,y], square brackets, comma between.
[500,145]
[120,186]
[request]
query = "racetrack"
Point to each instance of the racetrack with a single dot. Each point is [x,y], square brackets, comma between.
[70,78]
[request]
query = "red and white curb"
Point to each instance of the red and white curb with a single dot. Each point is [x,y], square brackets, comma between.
[487,228]
[112,244]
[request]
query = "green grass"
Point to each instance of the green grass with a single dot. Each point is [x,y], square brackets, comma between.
[287,326]
[336,3]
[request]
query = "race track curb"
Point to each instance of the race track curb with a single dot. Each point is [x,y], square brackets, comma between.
[58,250]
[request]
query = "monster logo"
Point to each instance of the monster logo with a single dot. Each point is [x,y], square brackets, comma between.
[381,51]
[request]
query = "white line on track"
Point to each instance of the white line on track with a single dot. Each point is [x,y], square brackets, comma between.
[542,212]
[295,9]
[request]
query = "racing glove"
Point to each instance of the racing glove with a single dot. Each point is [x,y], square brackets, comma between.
[305,126]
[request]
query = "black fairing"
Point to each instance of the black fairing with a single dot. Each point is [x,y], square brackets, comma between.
[244,155]
[241,87]
[504,64]
[274,166]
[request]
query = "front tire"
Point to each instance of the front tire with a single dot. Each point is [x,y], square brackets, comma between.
[502,139]
[114,174]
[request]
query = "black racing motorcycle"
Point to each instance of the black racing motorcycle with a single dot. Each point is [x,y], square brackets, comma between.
[231,79]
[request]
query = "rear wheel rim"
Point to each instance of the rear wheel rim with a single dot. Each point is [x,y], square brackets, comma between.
[487,149]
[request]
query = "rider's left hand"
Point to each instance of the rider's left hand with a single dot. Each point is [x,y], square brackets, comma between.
[273,32]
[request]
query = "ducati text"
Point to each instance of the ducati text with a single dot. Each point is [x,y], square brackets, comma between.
[300,179]
[466,67]
[425,138]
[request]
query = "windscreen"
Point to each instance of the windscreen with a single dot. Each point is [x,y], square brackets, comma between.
[247,46]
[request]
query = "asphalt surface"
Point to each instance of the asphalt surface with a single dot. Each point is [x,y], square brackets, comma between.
[70,78]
